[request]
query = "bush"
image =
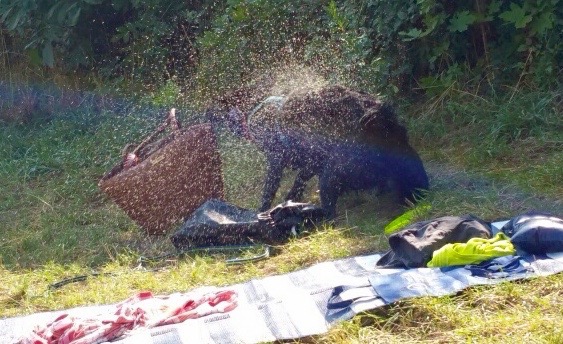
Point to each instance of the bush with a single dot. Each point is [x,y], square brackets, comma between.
[377,45]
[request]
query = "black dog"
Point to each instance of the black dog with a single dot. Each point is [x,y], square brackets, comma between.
[368,147]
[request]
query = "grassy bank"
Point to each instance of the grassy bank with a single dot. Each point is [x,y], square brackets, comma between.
[494,158]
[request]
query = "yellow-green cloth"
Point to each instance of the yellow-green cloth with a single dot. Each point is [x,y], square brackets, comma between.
[475,250]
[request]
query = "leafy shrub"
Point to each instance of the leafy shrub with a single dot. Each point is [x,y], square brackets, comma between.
[254,36]
[141,40]
[378,45]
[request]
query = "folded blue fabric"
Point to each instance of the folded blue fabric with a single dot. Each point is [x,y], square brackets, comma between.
[501,267]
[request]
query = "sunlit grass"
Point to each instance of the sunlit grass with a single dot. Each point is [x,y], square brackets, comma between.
[515,139]
[56,225]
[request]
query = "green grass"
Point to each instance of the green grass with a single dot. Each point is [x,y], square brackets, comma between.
[56,224]
[513,138]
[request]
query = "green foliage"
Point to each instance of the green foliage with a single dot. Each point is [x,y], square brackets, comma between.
[501,41]
[131,39]
[156,42]
[46,25]
[167,96]
[255,36]
[386,51]
[376,45]
[346,52]
[517,16]
[428,41]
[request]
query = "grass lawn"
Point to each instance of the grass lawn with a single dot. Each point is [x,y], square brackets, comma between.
[486,159]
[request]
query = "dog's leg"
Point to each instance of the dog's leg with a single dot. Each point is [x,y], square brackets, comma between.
[296,192]
[271,184]
[330,188]
[410,178]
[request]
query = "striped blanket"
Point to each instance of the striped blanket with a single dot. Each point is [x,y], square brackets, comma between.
[285,306]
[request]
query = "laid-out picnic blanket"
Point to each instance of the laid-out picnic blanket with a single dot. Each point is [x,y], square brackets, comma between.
[309,301]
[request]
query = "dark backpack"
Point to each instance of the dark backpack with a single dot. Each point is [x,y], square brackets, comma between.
[218,223]
[413,246]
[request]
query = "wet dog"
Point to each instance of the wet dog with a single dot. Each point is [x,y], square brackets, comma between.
[349,139]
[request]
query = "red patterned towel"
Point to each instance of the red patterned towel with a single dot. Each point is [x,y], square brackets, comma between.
[142,310]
